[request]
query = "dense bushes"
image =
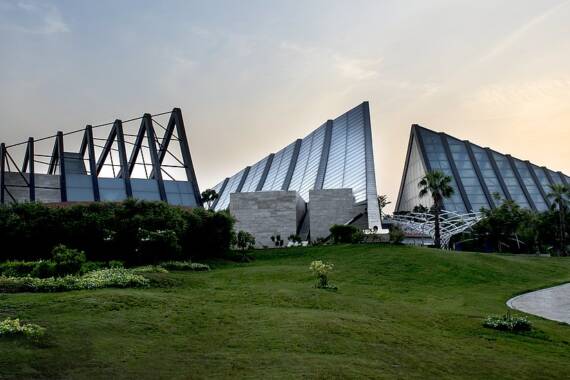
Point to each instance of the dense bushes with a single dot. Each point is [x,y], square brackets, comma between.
[508,322]
[341,233]
[135,232]
[105,278]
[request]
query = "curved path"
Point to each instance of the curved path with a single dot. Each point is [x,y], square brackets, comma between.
[551,303]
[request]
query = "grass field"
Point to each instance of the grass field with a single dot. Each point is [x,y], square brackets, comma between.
[399,312]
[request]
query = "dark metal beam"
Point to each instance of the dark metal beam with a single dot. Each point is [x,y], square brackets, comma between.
[521,182]
[62,174]
[186,156]
[563,178]
[322,170]
[2,171]
[243,178]
[455,172]
[54,158]
[136,148]
[224,184]
[475,164]
[88,138]
[106,149]
[32,173]
[118,126]
[265,172]
[151,138]
[537,182]
[498,174]
[292,165]
[405,173]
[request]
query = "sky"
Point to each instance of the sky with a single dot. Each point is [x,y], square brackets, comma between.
[252,76]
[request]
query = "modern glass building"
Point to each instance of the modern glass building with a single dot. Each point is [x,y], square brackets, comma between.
[478,174]
[337,155]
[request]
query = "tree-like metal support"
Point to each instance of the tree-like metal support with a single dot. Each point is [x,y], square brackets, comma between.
[451,223]
[117,142]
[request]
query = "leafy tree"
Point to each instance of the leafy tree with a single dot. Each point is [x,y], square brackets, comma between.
[560,195]
[436,184]
[245,240]
[209,196]
[507,226]
[382,203]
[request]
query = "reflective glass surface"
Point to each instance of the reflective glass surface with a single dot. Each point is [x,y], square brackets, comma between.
[510,179]
[488,173]
[530,185]
[307,166]
[231,187]
[254,176]
[438,161]
[278,170]
[467,174]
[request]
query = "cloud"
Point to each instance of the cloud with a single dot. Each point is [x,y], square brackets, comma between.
[518,33]
[32,18]
[348,67]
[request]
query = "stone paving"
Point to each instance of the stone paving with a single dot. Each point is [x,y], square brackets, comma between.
[552,303]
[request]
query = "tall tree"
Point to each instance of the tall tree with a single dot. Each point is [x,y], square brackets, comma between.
[436,184]
[382,203]
[209,196]
[560,195]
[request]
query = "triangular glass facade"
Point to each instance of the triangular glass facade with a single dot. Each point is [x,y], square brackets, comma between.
[478,174]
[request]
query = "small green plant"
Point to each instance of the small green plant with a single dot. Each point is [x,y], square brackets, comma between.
[44,269]
[508,322]
[342,234]
[321,270]
[116,264]
[17,268]
[149,269]
[277,240]
[185,265]
[245,240]
[13,327]
[67,260]
[397,235]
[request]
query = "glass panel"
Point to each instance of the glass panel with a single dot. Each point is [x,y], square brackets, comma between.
[530,185]
[467,174]
[510,179]
[305,173]
[438,161]
[415,172]
[231,187]
[254,176]
[279,167]
[346,166]
[542,178]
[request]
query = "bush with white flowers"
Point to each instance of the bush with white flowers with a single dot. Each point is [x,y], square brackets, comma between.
[13,327]
[321,270]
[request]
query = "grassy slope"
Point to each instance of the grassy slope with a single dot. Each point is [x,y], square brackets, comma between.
[399,312]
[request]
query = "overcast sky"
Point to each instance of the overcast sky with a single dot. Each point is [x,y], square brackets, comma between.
[252,76]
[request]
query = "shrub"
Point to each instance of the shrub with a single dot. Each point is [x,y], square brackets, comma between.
[341,233]
[91,266]
[105,278]
[17,268]
[67,260]
[508,322]
[321,270]
[245,240]
[149,269]
[43,269]
[184,265]
[13,327]
[116,264]
[111,231]
[397,235]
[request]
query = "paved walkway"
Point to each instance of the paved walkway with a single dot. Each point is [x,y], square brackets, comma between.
[552,303]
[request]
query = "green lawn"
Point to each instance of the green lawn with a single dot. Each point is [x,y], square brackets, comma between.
[400,312]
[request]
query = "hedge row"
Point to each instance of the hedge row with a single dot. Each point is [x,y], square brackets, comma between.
[136,232]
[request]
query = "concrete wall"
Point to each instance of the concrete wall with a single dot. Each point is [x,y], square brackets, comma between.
[329,207]
[267,213]
[19,190]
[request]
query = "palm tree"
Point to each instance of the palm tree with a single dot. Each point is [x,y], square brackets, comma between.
[560,195]
[209,196]
[382,203]
[438,185]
